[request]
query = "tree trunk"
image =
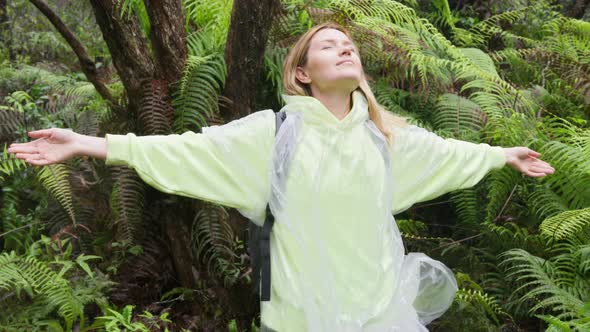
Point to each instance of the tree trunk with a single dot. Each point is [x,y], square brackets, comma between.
[244,53]
[147,78]
[578,9]
[129,50]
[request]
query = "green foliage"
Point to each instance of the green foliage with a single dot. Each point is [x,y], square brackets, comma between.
[127,202]
[197,97]
[33,277]
[216,246]
[547,284]
[114,321]
[566,224]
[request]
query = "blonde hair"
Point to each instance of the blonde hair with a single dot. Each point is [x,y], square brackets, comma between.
[297,57]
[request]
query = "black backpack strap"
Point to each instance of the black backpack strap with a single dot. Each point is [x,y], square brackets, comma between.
[265,235]
[265,255]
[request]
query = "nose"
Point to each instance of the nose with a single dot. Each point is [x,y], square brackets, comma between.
[346,50]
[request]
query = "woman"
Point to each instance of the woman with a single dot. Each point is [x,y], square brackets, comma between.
[334,174]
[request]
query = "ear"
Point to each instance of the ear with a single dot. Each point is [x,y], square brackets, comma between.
[302,76]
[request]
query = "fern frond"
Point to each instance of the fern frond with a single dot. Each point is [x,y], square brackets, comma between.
[273,66]
[489,303]
[196,98]
[572,181]
[502,185]
[456,114]
[55,179]
[87,123]
[566,224]
[127,202]
[467,206]
[212,18]
[213,238]
[156,112]
[10,122]
[537,277]
[9,164]
[545,202]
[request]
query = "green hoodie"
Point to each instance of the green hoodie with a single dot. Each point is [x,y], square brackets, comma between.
[338,261]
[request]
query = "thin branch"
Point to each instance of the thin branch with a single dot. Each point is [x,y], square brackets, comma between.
[458,241]
[431,204]
[506,203]
[17,229]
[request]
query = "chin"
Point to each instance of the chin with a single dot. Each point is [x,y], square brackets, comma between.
[349,83]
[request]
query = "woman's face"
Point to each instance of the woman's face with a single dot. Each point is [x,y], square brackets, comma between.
[333,63]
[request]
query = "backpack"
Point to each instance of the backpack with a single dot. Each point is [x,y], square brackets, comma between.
[259,242]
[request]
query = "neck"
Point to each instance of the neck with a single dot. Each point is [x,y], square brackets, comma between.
[337,102]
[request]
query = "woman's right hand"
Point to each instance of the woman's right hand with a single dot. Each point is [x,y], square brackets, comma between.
[55,145]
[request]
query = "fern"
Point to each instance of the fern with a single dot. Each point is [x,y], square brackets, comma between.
[156,113]
[55,179]
[10,122]
[127,202]
[273,66]
[467,207]
[213,243]
[539,283]
[212,18]
[457,114]
[196,98]
[572,182]
[18,272]
[545,203]
[9,164]
[566,224]
[489,303]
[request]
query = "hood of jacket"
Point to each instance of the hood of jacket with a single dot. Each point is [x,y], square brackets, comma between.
[315,113]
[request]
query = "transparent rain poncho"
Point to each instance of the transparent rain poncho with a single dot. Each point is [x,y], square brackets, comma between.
[337,258]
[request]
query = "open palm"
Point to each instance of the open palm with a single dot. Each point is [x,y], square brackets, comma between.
[51,146]
[526,161]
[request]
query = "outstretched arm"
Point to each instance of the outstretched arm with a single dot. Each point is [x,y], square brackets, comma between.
[425,165]
[55,145]
[228,164]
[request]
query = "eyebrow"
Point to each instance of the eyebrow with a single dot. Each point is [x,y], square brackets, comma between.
[334,40]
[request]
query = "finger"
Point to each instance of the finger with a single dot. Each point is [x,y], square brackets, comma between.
[40,133]
[535,174]
[26,156]
[545,165]
[541,169]
[38,162]
[23,149]
[534,153]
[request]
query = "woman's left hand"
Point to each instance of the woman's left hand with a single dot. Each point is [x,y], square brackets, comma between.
[526,161]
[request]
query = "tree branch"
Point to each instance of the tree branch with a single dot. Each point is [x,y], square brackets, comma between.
[129,50]
[88,66]
[168,37]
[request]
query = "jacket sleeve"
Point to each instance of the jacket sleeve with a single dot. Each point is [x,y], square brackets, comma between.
[425,165]
[228,164]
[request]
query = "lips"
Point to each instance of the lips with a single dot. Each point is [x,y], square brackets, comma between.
[344,61]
